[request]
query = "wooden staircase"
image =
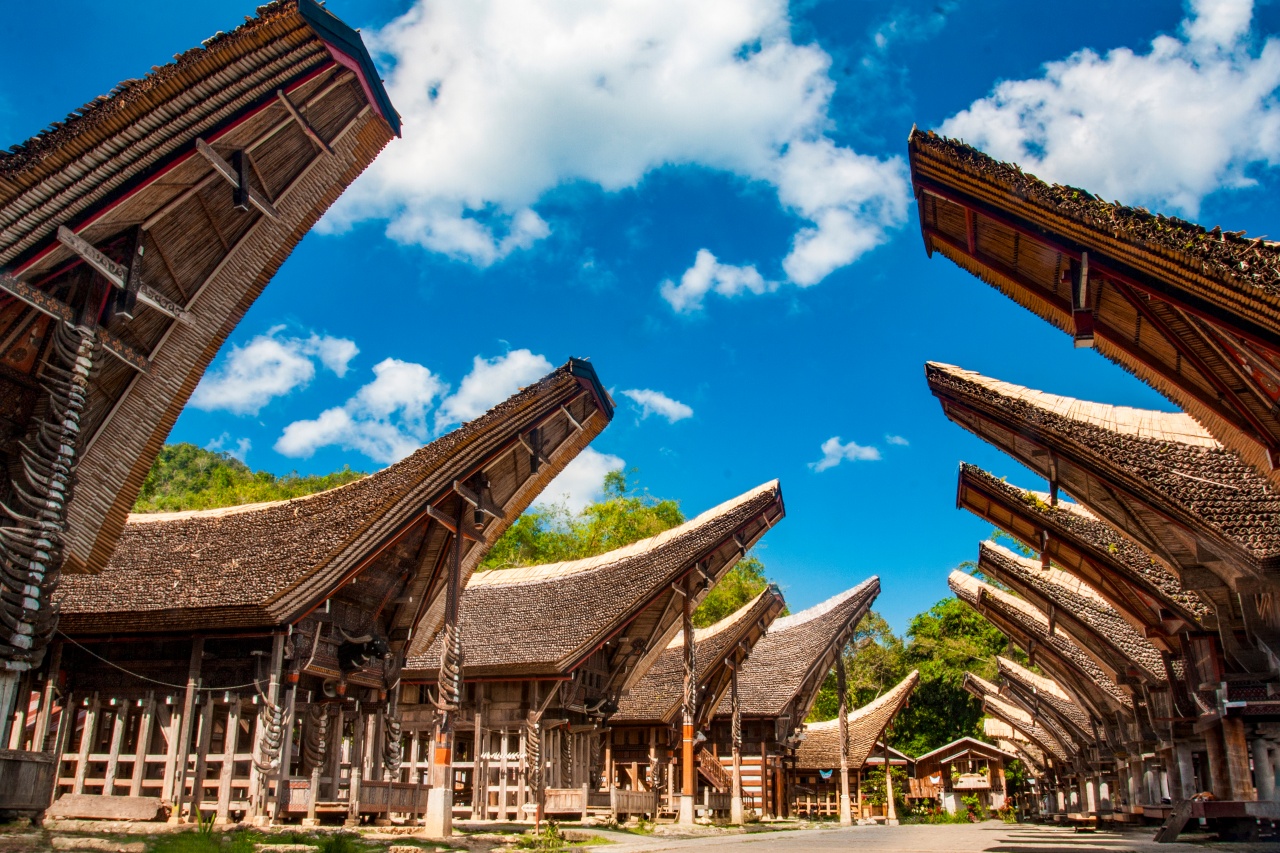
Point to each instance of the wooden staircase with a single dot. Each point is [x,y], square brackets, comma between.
[1173,824]
[713,771]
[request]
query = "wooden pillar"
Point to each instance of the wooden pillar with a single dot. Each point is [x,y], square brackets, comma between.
[842,687]
[1216,752]
[119,718]
[18,731]
[766,795]
[260,782]
[185,722]
[477,763]
[439,818]
[230,741]
[858,781]
[282,774]
[890,808]
[171,727]
[688,771]
[202,757]
[87,736]
[337,726]
[1264,772]
[47,695]
[357,768]
[1237,753]
[737,815]
[504,768]
[146,720]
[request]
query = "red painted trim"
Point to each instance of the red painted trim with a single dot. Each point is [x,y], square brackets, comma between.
[351,64]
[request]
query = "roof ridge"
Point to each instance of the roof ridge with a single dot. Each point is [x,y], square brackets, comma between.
[822,608]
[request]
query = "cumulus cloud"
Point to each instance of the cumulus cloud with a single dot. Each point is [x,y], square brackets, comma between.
[269,366]
[1165,127]
[834,452]
[656,403]
[504,100]
[237,448]
[582,480]
[490,381]
[385,420]
[896,440]
[707,275]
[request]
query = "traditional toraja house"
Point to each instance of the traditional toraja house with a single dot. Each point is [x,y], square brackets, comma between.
[776,690]
[1194,313]
[1139,587]
[650,717]
[246,661]
[831,749]
[552,650]
[133,237]
[1195,508]
[966,767]
[1012,740]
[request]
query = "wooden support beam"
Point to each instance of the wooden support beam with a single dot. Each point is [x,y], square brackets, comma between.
[146,721]
[577,427]
[202,757]
[230,741]
[118,275]
[477,501]
[303,123]
[59,310]
[88,733]
[232,176]
[183,730]
[449,524]
[48,694]
[120,717]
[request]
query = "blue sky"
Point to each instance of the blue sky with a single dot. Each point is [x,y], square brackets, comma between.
[709,201]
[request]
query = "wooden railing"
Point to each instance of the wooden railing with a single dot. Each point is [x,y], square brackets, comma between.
[713,771]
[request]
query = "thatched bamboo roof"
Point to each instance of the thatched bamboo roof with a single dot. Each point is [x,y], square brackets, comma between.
[1137,584]
[127,174]
[658,695]
[1166,480]
[1046,695]
[269,563]
[1045,734]
[545,621]
[1080,611]
[820,748]
[1193,312]
[785,671]
[1022,622]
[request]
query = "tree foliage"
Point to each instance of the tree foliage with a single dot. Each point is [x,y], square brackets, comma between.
[625,514]
[188,477]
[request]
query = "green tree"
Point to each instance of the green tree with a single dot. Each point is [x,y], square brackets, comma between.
[187,477]
[741,584]
[874,662]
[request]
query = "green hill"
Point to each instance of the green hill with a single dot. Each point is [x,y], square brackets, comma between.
[188,477]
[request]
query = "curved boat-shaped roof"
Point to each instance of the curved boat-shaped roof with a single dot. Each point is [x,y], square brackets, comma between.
[546,620]
[1194,313]
[821,745]
[1162,463]
[658,695]
[787,667]
[1051,740]
[139,180]
[1040,689]
[267,563]
[1135,583]
[1024,623]
[1080,610]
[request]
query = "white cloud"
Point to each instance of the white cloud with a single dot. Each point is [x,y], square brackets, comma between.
[237,448]
[657,403]
[1165,127]
[582,480]
[707,275]
[834,452]
[505,100]
[490,381]
[385,420]
[269,366]
[896,440]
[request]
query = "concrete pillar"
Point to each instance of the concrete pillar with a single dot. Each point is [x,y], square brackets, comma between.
[1263,770]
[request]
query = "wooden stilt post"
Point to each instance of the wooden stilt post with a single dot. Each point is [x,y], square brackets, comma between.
[119,718]
[737,814]
[1216,752]
[281,798]
[88,734]
[1237,753]
[18,732]
[688,769]
[177,795]
[842,687]
[439,818]
[45,715]
[230,741]
[477,763]
[259,781]
[202,757]
[766,792]
[336,727]
[890,808]
[169,731]
[504,771]
[357,768]
[145,723]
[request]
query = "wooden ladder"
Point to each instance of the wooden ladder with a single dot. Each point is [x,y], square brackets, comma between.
[1173,824]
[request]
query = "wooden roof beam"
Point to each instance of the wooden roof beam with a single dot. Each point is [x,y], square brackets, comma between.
[61,311]
[302,122]
[120,276]
[237,178]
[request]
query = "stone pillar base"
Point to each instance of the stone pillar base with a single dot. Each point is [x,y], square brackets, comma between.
[438,821]
[686,810]
[736,815]
[311,821]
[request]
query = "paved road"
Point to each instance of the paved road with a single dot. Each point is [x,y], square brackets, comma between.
[990,837]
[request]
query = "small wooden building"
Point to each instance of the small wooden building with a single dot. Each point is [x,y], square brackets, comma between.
[645,733]
[964,768]
[134,235]
[552,651]
[776,690]
[816,782]
[246,661]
